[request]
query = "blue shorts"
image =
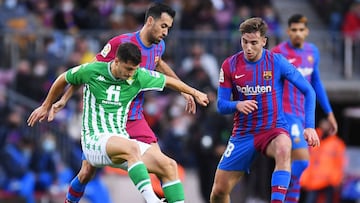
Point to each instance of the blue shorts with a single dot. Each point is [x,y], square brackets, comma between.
[241,150]
[296,131]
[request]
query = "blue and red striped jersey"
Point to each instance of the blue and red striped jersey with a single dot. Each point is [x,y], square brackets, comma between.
[150,56]
[262,81]
[306,60]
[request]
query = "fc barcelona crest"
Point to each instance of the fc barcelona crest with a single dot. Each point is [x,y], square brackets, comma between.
[310,58]
[267,75]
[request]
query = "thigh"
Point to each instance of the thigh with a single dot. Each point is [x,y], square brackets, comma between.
[105,148]
[279,143]
[141,131]
[226,180]
[154,159]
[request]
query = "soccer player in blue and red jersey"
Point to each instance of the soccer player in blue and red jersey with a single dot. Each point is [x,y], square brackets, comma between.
[251,86]
[158,21]
[305,57]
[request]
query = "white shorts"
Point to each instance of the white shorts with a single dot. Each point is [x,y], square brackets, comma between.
[95,150]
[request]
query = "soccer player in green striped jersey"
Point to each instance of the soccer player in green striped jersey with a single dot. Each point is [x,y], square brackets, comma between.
[109,89]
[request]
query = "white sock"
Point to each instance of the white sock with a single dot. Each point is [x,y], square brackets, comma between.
[149,195]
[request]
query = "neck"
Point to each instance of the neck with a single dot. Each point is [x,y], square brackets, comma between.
[112,67]
[143,37]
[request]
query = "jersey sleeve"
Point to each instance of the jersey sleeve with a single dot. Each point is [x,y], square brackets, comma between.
[109,51]
[78,75]
[276,49]
[224,103]
[318,86]
[151,80]
[289,72]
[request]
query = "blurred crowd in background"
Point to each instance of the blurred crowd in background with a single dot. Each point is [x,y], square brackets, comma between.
[52,36]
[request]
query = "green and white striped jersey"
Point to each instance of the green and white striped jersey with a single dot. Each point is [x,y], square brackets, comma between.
[106,100]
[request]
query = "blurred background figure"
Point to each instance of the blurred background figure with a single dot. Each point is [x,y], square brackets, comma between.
[324,175]
[16,158]
[200,59]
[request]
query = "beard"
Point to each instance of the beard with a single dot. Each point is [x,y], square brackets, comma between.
[153,39]
[297,43]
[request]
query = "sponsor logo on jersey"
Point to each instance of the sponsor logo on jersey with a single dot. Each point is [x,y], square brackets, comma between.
[239,76]
[221,76]
[267,75]
[305,71]
[292,60]
[104,52]
[130,80]
[101,78]
[113,95]
[310,58]
[254,90]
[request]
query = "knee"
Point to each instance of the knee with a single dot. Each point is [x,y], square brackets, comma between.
[86,172]
[218,193]
[170,164]
[133,151]
[169,169]
[283,149]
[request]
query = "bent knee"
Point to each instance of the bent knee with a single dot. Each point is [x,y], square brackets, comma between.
[219,193]
[169,168]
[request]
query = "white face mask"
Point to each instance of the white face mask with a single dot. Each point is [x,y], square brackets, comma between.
[48,145]
[151,108]
[40,70]
[67,6]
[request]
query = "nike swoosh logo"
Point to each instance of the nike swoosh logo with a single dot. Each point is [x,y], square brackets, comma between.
[239,76]
[292,60]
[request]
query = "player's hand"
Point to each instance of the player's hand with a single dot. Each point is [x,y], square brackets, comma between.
[311,137]
[247,106]
[333,123]
[39,114]
[190,106]
[201,98]
[56,107]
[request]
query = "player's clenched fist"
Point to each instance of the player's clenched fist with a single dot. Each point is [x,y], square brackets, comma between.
[201,98]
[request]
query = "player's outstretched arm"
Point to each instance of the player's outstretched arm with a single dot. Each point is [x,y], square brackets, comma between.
[40,113]
[60,104]
[200,97]
[164,68]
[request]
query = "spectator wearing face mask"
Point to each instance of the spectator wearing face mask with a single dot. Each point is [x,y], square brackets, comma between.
[43,163]
[15,161]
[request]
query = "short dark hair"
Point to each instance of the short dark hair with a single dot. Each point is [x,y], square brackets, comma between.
[129,52]
[297,18]
[252,25]
[156,9]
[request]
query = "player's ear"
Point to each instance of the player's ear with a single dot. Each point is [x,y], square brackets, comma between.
[264,40]
[307,31]
[116,61]
[288,31]
[150,20]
